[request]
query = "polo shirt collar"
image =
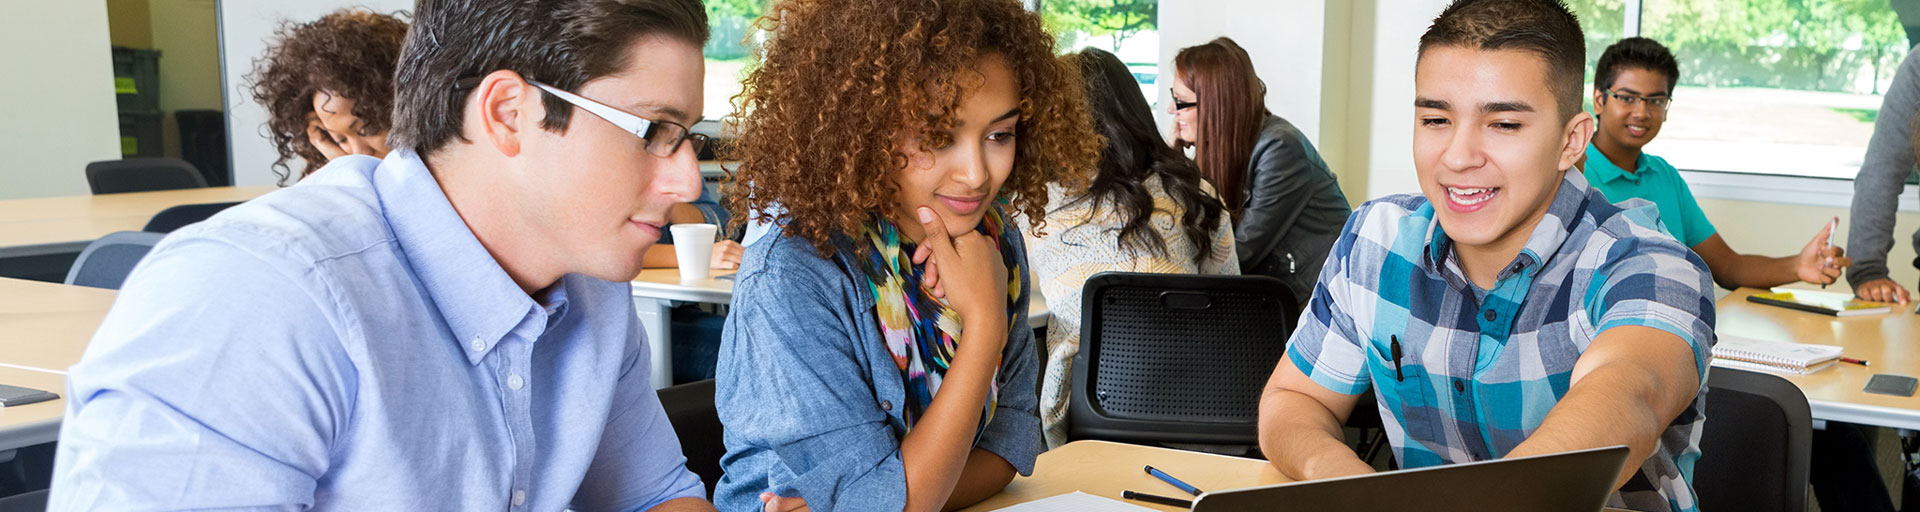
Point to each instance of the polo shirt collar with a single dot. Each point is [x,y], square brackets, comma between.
[1603,171]
[473,293]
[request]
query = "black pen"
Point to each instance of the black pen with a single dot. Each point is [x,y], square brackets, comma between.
[1397,375]
[1163,500]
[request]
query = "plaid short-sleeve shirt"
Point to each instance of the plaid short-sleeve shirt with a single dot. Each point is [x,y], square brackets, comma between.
[1477,370]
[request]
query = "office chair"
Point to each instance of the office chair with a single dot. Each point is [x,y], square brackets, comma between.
[1756,444]
[1176,358]
[106,262]
[179,216]
[696,420]
[142,174]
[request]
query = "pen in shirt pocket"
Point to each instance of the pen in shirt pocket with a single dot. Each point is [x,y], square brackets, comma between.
[1394,345]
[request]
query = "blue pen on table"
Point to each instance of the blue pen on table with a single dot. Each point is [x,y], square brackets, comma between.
[1163,476]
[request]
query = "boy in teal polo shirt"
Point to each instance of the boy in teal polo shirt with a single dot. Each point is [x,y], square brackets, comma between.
[1632,89]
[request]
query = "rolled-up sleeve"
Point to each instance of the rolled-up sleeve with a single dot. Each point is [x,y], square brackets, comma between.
[1653,281]
[204,390]
[1015,433]
[798,405]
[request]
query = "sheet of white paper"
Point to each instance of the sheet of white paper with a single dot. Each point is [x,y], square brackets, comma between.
[1076,502]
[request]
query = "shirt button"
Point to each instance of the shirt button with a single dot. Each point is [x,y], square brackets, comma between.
[479,345]
[886,405]
[514,382]
[1459,387]
[1492,315]
[519,498]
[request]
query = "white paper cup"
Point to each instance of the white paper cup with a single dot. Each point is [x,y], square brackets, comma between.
[693,247]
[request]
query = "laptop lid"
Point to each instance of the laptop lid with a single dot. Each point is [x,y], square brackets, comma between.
[1577,480]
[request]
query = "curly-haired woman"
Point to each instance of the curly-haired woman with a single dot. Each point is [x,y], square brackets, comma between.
[327,86]
[895,136]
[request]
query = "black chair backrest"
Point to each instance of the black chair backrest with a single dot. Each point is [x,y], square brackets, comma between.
[1756,444]
[697,421]
[106,262]
[1176,358]
[143,174]
[179,216]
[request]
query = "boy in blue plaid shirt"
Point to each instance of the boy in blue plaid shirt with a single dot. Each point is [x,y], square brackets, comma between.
[1509,310]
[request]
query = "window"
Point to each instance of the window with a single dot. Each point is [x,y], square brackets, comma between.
[728,52]
[1128,28]
[1780,87]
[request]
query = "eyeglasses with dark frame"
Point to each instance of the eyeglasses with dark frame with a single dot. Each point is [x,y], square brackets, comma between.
[1654,104]
[1180,105]
[662,137]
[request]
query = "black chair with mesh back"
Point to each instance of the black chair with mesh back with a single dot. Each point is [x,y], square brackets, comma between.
[696,421]
[143,174]
[1176,358]
[106,262]
[1756,444]
[179,216]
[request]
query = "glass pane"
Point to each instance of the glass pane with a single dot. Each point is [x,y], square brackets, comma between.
[1776,86]
[1128,28]
[728,51]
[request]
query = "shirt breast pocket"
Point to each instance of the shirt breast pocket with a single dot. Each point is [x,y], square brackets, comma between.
[1404,390]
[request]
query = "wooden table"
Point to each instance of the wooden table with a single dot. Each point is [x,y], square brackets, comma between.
[1104,469]
[656,289]
[50,225]
[1890,341]
[44,328]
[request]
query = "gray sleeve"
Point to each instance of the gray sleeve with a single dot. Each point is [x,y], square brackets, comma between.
[1876,190]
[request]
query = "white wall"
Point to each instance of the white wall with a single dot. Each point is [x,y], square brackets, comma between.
[246,27]
[57,100]
[188,38]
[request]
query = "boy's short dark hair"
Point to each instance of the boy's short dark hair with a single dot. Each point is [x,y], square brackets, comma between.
[1541,27]
[1636,53]
[563,43]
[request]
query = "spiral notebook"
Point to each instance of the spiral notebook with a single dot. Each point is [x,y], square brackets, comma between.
[1773,356]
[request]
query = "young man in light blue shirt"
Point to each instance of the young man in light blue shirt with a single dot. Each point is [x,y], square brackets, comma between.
[449,328]
[1632,90]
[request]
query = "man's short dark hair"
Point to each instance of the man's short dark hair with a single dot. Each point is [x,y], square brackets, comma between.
[563,43]
[1541,27]
[1636,53]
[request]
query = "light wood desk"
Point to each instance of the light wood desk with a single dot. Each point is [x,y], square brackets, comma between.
[27,425]
[50,225]
[1890,341]
[1104,469]
[46,326]
[656,289]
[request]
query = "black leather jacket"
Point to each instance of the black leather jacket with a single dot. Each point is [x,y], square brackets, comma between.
[1292,212]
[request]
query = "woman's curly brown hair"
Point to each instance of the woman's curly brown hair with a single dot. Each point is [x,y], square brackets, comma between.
[838,80]
[350,52]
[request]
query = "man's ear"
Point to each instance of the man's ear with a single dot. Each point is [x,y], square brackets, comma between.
[506,108]
[1579,132]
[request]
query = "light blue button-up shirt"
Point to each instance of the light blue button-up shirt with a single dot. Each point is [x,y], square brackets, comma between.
[347,344]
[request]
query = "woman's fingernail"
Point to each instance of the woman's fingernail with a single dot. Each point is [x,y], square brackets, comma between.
[926,215]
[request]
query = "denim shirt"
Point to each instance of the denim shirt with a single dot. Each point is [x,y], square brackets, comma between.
[812,399]
[348,344]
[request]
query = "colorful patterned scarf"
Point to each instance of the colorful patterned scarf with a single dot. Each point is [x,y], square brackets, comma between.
[923,333]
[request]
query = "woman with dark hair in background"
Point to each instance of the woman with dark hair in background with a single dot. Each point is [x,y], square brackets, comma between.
[327,86]
[1148,210]
[1287,207]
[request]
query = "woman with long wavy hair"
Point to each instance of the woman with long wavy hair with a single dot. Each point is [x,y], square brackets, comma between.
[1146,210]
[877,356]
[1286,205]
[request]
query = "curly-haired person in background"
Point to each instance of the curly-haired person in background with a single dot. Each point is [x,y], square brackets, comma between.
[845,384]
[327,86]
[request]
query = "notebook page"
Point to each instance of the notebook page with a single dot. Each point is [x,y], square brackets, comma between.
[1076,502]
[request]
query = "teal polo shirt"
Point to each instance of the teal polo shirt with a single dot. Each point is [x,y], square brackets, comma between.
[1656,181]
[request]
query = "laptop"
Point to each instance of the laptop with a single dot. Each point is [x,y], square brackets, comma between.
[1571,481]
